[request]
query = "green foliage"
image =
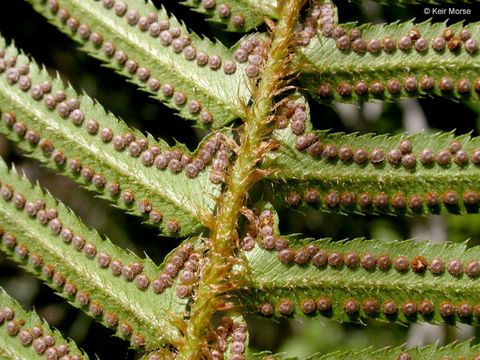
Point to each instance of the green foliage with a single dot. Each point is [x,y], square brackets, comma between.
[11,346]
[211,88]
[270,280]
[51,252]
[164,189]
[426,353]
[232,343]
[224,264]
[324,63]
[295,171]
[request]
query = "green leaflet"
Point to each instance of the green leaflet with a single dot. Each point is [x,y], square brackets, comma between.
[323,62]
[219,94]
[269,280]
[428,352]
[252,11]
[52,249]
[10,345]
[298,171]
[164,189]
[160,354]
[236,345]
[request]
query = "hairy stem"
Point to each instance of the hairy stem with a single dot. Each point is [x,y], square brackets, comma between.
[214,280]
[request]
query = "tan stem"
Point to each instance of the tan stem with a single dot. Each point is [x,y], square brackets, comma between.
[214,277]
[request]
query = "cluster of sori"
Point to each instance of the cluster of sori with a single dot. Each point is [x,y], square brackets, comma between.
[318,14]
[259,223]
[229,337]
[133,272]
[253,51]
[223,11]
[401,156]
[264,226]
[367,261]
[174,159]
[186,261]
[41,341]
[383,262]
[371,307]
[410,84]
[169,37]
[215,148]
[82,297]
[294,112]
[394,86]
[324,15]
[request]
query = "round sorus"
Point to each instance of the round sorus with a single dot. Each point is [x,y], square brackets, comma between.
[308,306]
[370,307]
[455,267]
[285,307]
[464,309]
[389,307]
[472,268]
[400,263]
[320,258]
[384,262]
[425,307]
[404,356]
[446,309]
[351,260]
[323,304]
[436,266]
[351,306]
[419,264]
[335,259]
[408,308]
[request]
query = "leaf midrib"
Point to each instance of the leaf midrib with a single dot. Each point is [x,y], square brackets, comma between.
[377,66]
[346,177]
[276,284]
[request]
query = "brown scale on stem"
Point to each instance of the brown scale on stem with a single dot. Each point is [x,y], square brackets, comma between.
[254,145]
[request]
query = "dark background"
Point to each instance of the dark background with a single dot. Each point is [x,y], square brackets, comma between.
[36,37]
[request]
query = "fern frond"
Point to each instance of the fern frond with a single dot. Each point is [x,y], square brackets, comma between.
[108,283]
[360,279]
[164,64]
[453,350]
[237,340]
[414,2]
[236,15]
[24,335]
[332,74]
[401,174]
[428,352]
[77,137]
